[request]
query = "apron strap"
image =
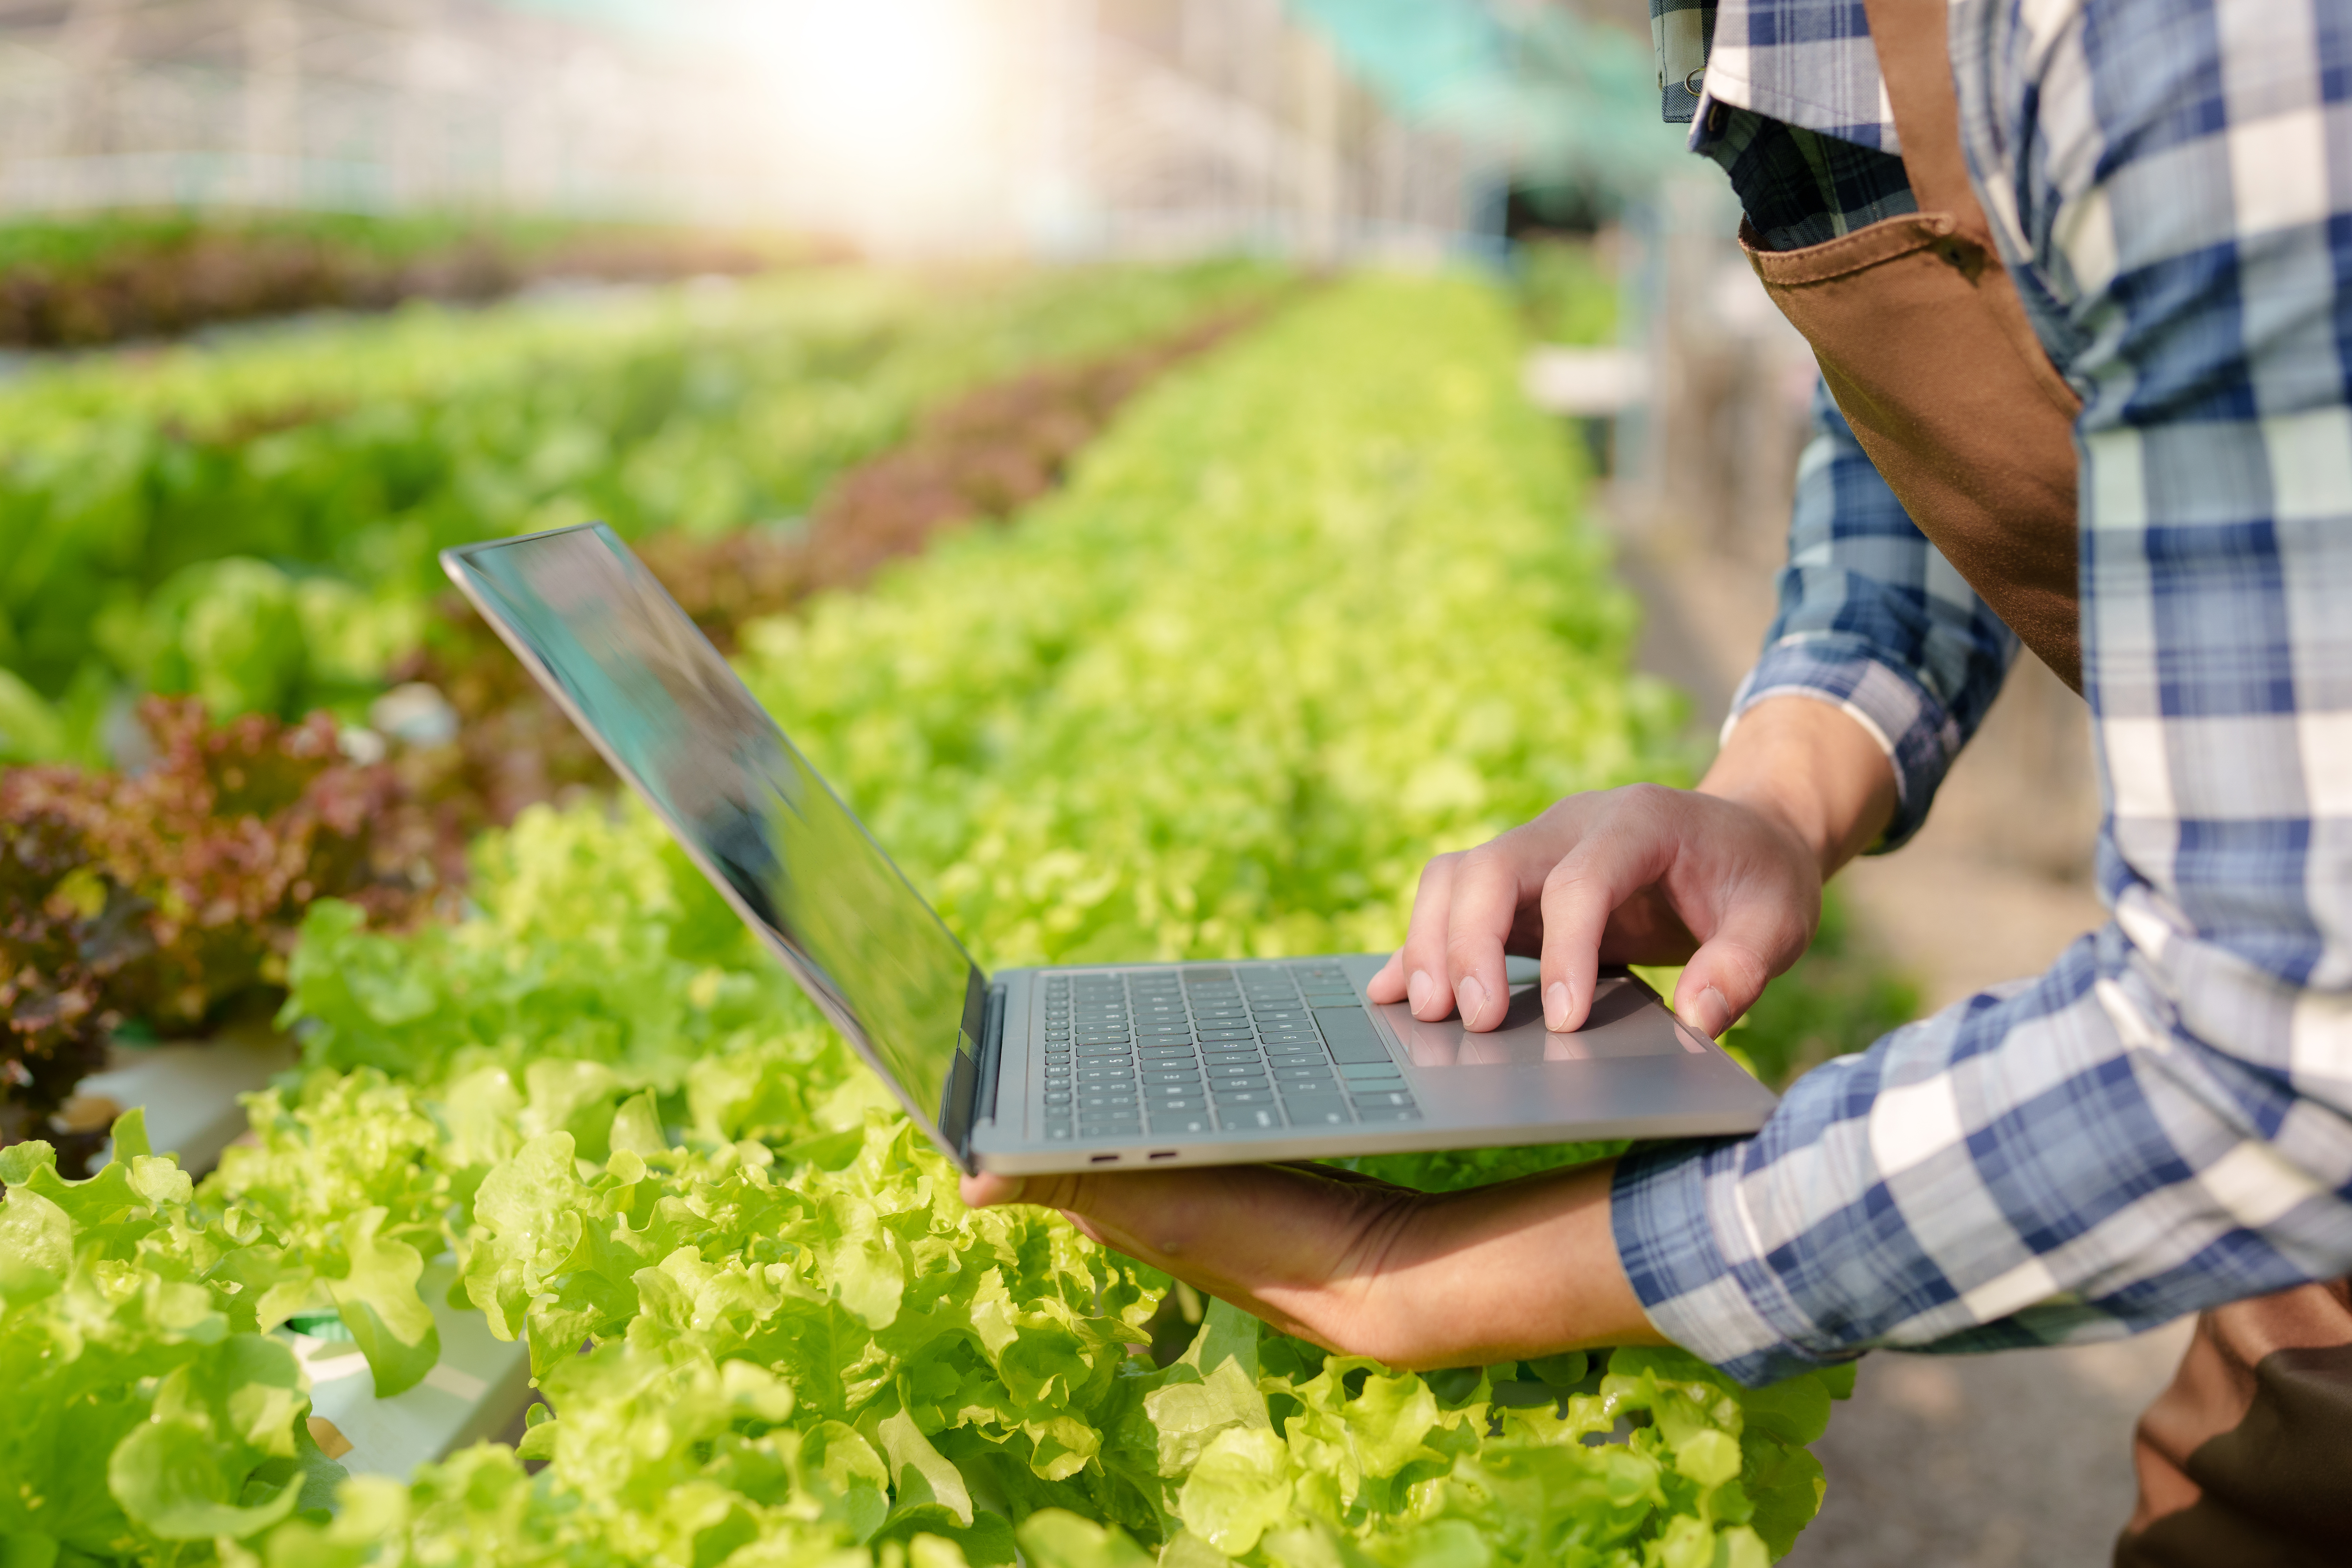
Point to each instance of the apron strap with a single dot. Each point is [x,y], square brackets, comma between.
[1915,62]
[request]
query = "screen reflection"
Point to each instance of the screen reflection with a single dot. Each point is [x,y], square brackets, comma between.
[696,743]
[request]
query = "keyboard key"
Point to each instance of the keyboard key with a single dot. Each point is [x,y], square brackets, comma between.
[1218,1074]
[1316,1109]
[1057,1097]
[1182,1121]
[1354,1071]
[1390,1113]
[1389,1097]
[1303,1070]
[1233,1094]
[1059,1132]
[1113,1130]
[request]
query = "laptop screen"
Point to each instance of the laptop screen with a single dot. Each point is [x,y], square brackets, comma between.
[678,724]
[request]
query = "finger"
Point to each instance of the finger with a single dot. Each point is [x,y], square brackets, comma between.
[1486,887]
[1422,957]
[1758,938]
[1339,1173]
[1389,985]
[1620,854]
[986,1188]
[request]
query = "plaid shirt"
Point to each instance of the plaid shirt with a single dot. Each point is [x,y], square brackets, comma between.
[2163,1121]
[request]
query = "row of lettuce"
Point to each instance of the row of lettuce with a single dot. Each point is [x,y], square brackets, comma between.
[1306,615]
[97,279]
[254,527]
[257,524]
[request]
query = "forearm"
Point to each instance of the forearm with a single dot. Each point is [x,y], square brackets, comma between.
[1524,1268]
[1504,1273]
[1812,769]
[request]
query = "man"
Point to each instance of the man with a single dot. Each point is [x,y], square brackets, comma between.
[2079,273]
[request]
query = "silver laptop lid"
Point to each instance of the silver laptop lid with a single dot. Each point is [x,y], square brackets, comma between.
[669,713]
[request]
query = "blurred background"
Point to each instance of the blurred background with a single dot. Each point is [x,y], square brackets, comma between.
[199,175]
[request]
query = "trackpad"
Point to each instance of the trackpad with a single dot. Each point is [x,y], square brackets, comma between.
[1625,1021]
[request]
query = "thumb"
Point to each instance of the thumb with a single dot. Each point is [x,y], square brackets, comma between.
[1728,972]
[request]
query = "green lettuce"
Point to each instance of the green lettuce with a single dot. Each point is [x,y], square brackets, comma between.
[1313,609]
[147,1411]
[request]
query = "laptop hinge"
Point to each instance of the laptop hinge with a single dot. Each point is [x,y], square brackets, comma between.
[992,1054]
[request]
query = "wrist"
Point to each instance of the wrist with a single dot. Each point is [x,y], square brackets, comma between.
[1812,771]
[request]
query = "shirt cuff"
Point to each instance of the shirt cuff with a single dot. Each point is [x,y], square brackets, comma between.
[1664,1206]
[1917,732]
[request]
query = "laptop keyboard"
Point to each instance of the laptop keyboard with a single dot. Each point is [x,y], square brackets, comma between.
[1209,1048]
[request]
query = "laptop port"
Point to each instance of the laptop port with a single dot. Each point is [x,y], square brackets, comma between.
[1104,1158]
[1161,1154]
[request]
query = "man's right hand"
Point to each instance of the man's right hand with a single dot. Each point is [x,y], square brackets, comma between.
[1725,880]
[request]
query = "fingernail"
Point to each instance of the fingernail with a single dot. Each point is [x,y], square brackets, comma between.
[1713,1013]
[1556,1006]
[1417,992]
[1470,998]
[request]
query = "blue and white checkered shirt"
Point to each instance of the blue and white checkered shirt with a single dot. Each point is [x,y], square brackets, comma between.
[2163,1121]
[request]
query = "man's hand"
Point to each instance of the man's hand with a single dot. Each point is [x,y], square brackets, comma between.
[1729,876]
[1525,1269]
[1725,880]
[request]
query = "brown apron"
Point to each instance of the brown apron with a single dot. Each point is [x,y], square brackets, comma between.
[2246,1460]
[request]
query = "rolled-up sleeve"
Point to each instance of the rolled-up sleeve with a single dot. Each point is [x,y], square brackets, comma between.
[1875,620]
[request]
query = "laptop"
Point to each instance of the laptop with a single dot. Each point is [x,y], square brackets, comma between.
[1062,1067]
